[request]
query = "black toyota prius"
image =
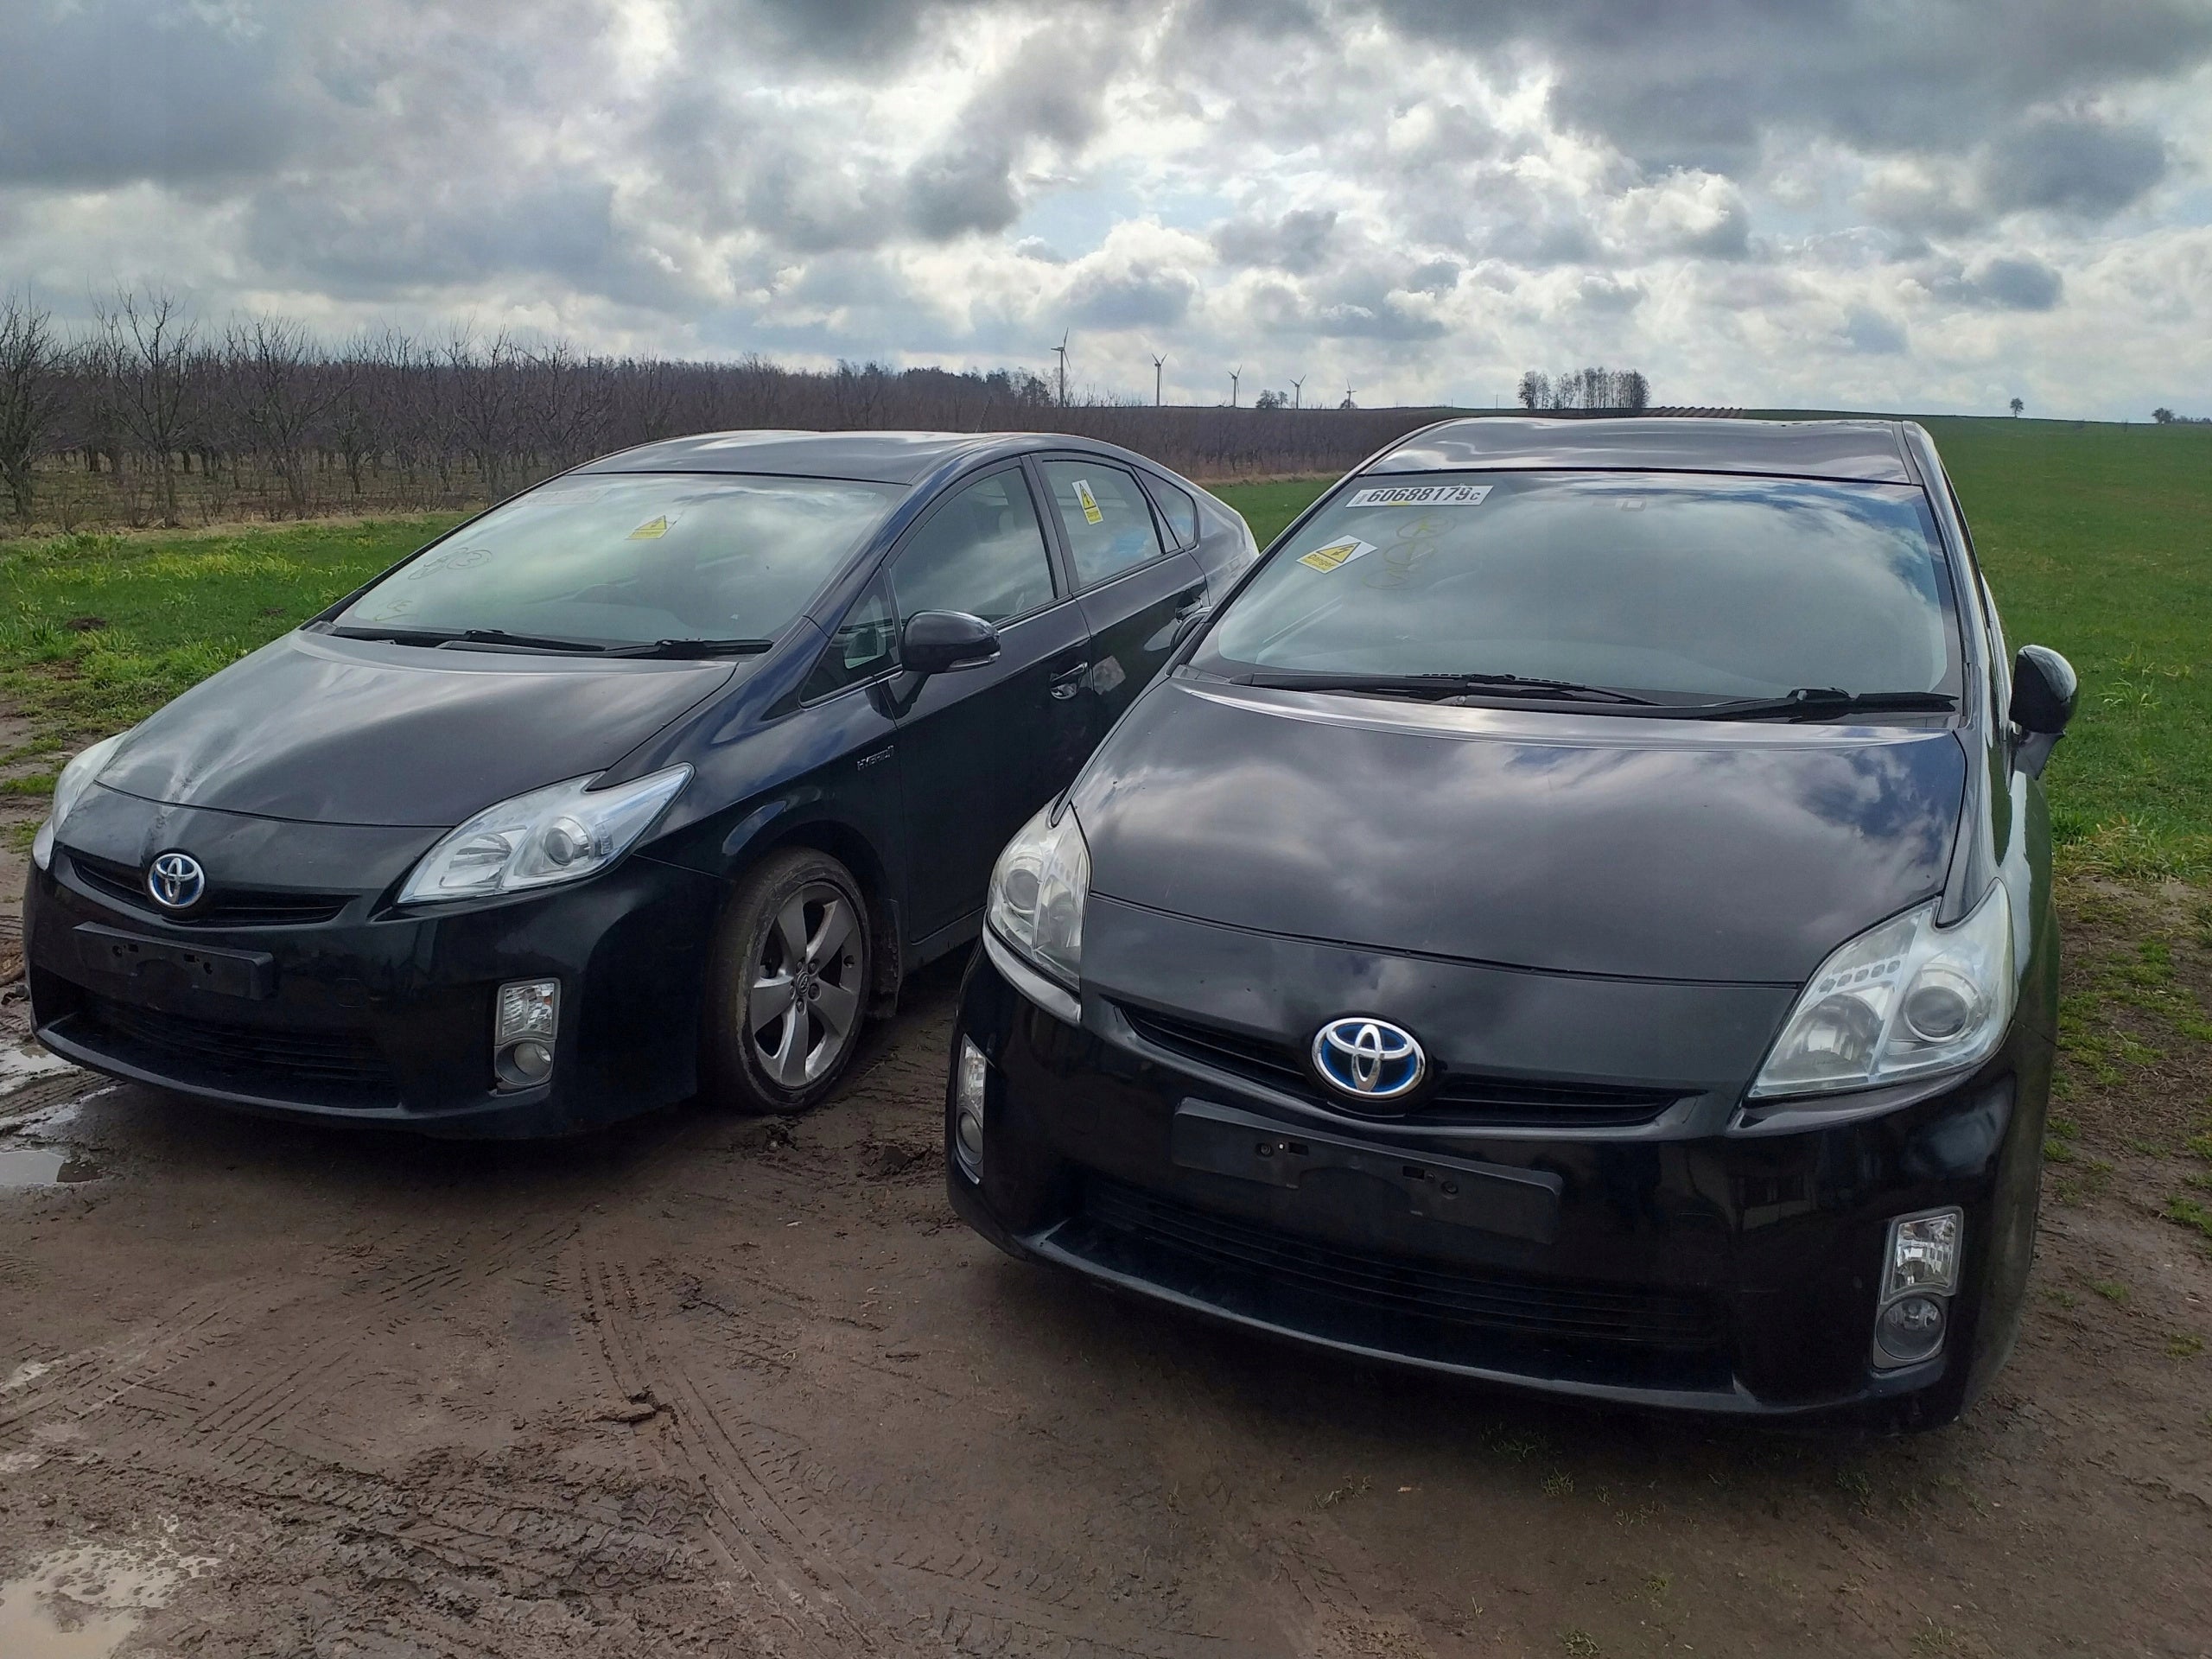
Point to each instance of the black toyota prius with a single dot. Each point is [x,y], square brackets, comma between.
[1579,915]
[654,779]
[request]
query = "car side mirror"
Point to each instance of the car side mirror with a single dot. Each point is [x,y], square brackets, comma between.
[938,642]
[2045,691]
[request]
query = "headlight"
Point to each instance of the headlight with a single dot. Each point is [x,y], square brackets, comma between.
[562,833]
[76,778]
[1038,890]
[1900,1000]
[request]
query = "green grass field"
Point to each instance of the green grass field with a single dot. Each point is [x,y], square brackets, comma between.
[2098,540]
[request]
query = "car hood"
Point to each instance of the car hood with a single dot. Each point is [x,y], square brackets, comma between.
[1562,842]
[345,731]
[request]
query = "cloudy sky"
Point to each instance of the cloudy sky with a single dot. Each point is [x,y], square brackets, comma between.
[1907,204]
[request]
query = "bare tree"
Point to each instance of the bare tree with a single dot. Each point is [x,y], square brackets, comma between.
[267,410]
[152,343]
[31,393]
[283,386]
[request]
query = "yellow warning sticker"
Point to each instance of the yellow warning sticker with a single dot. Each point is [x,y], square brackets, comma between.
[1089,502]
[652,531]
[1336,554]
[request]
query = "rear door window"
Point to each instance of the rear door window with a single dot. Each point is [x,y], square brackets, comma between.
[1105,517]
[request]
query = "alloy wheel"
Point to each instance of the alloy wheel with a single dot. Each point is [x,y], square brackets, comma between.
[804,1005]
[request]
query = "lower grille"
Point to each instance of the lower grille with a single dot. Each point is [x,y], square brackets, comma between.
[1428,1292]
[281,1062]
[1459,1098]
[226,907]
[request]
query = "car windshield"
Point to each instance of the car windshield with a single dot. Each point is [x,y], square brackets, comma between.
[1677,588]
[631,559]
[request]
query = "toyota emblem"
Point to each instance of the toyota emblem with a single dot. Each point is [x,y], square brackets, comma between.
[1367,1059]
[176,881]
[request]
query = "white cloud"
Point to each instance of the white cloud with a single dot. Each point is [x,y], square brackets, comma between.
[1414,196]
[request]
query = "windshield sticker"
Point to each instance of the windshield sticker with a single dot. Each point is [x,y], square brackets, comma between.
[1420,495]
[1336,554]
[652,531]
[1089,502]
[452,558]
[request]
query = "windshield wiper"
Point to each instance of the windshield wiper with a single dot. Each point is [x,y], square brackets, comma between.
[522,641]
[435,637]
[1822,701]
[1441,686]
[695,648]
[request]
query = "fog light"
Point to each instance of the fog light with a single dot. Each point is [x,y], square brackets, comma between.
[971,1071]
[525,1021]
[1910,1329]
[531,1058]
[1924,1253]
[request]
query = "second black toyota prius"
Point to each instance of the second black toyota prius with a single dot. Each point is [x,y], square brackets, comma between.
[1580,915]
[650,780]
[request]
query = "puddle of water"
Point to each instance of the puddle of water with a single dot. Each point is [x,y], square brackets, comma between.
[43,1166]
[81,1603]
[35,1625]
[19,1065]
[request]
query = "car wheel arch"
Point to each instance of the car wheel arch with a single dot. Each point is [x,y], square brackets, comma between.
[789,825]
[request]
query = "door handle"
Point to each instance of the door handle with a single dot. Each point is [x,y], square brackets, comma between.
[1068,682]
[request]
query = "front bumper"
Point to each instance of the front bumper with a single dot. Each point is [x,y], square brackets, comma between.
[372,1017]
[1675,1263]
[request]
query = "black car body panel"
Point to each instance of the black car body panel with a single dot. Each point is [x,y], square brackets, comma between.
[310,778]
[1584,844]
[329,730]
[1683,1269]
[1598,924]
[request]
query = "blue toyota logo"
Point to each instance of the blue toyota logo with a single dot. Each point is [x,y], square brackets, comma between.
[176,881]
[1369,1059]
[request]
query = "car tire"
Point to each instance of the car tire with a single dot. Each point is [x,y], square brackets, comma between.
[788,988]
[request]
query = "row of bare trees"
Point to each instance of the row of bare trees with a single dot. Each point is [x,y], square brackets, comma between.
[150,413]
[1623,391]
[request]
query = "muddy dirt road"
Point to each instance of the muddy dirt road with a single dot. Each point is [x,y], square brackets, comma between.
[711,1386]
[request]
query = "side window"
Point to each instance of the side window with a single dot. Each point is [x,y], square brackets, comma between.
[1105,515]
[1179,508]
[2001,665]
[2000,660]
[865,644]
[981,552]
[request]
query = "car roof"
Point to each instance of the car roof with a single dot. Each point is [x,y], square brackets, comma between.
[874,457]
[1863,451]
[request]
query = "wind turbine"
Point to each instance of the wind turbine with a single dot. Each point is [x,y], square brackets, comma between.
[1060,351]
[1298,394]
[1233,376]
[1158,364]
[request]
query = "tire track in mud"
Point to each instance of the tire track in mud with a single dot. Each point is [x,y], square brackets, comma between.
[796,1588]
[129,1372]
[77,1385]
[907,1574]
[220,1428]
